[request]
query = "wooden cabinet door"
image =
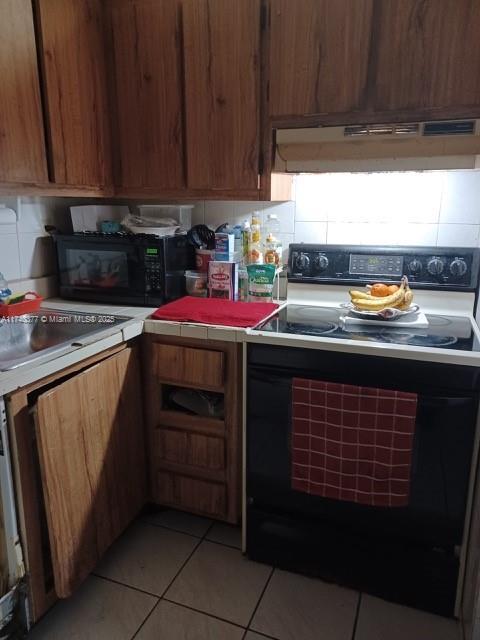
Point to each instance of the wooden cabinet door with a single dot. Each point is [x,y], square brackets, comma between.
[318,55]
[73,62]
[222,99]
[22,146]
[427,55]
[92,459]
[145,43]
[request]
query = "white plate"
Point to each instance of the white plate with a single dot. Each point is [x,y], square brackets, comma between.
[389,313]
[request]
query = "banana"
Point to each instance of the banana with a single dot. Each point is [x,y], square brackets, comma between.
[407,300]
[377,304]
[362,295]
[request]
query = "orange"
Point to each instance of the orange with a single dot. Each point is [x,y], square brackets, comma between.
[393,288]
[379,290]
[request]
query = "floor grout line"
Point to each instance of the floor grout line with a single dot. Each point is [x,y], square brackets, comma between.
[260,598]
[223,544]
[357,614]
[209,615]
[128,586]
[200,540]
[164,526]
[144,622]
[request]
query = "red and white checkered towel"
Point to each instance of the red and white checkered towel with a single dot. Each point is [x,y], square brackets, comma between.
[352,443]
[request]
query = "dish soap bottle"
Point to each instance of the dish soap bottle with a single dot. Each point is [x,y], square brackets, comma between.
[5,292]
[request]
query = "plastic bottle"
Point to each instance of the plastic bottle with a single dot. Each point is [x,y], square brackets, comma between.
[5,292]
[272,246]
[255,255]
[245,242]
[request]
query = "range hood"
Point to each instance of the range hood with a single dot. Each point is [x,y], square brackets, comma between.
[416,146]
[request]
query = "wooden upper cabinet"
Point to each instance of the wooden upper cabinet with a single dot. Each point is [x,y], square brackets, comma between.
[222,93]
[427,55]
[22,147]
[73,62]
[318,56]
[145,43]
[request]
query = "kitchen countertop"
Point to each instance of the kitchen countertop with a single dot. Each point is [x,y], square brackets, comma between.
[139,323]
[96,343]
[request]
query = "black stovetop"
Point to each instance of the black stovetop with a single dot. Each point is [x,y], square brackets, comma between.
[443,332]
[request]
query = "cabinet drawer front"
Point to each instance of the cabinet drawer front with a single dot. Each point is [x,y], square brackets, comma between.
[189,366]
[199,496]
[193,449]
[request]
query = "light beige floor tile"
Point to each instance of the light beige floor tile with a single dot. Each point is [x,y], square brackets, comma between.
[251,635]
[221,581]
[172,622]
[147,557]
[226,534]
[180,521]
[379,619]
[98,610]
[295,607]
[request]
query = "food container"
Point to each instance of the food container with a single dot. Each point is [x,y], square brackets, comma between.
[223,280]
[196,283]
[182,213]
[224,246]
[202,258]
[30,304]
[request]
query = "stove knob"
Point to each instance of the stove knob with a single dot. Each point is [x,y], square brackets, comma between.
[458,268]
[435,267]
[415,267]
[321,262]
[302,262]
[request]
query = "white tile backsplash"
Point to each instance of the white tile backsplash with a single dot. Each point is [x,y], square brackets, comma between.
[461,197]
[37,257]
[411,208]
[9,256]
[285,213]
[311,232]
[458,235]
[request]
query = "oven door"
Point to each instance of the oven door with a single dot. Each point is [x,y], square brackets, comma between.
[397,552]
[99,270]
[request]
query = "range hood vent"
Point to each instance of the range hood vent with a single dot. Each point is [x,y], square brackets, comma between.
[451,144]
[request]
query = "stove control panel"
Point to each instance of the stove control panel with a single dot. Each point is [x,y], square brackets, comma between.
[426,267]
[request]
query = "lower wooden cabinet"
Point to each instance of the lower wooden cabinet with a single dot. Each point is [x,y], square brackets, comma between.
[194,461]
[190,494]
[82,472]
[80,468]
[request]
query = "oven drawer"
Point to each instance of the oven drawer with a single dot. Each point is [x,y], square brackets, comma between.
[197,450]
[191,494]
[188,366]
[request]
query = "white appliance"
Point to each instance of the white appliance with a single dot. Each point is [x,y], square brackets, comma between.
[452,144]
[12,600]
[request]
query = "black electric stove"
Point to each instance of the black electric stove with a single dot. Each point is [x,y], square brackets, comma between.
[408,554]
[443,332]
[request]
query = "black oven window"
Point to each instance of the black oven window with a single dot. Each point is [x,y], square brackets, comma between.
[104,269]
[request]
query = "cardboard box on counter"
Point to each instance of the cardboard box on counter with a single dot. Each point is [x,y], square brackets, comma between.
[223,279]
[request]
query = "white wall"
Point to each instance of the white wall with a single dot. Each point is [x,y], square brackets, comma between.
[436,208]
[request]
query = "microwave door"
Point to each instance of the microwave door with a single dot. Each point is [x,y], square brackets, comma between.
[100,271]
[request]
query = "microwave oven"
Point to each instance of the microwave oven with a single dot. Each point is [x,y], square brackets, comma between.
[122,268]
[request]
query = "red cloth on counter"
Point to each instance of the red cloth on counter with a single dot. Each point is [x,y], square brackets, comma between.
[215,311]
[352,443]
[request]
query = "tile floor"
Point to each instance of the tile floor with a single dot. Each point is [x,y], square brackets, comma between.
[173,576]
